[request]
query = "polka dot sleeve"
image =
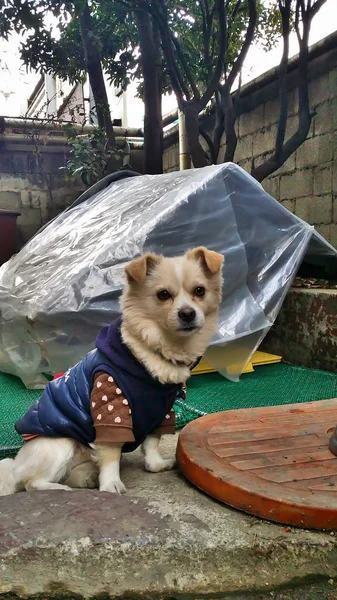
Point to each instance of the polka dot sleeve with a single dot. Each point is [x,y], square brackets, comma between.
[167,427]
[110,411]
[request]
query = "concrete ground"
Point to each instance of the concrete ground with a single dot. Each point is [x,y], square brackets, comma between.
[164,539]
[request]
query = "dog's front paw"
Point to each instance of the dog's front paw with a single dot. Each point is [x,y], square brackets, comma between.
[156,466]
[113,487]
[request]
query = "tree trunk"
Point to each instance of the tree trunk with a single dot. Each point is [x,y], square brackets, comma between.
[197,152]
[95,73]
[151,63]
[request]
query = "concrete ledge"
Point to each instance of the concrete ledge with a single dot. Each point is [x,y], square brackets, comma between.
[164,539]
[305,332]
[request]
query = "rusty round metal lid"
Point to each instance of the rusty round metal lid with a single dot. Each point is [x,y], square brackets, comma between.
[271,462]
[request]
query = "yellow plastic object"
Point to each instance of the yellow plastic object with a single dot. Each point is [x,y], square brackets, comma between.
[259,358]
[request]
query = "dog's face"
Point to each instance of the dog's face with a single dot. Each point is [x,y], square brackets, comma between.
[178,294]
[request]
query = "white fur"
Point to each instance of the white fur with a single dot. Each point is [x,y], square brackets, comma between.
[154,462]
[151,330]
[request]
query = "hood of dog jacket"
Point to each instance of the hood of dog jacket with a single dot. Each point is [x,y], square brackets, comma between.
[64,407]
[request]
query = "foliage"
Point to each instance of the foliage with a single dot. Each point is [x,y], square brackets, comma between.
[196,27]
[16,15]
[219,21]
[116,33]
[204,44]
[90,156]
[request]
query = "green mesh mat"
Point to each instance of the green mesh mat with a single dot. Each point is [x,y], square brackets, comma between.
[268,386]
[14,401]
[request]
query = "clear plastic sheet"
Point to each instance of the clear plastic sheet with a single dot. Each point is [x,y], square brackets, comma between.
[65,283]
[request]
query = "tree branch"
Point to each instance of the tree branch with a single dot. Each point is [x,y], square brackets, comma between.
[231,137]
[285,11]
[219,125]
[316,7]
[179,87]
[184,63]
[206,34]
[192,129]
[215,79]
[95,73]
[246,44]
[208,140]
[305,115]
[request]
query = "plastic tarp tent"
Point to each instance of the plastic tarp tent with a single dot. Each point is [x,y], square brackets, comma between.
[66,281]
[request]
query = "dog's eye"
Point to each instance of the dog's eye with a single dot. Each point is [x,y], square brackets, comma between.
[199,291]
[163,295]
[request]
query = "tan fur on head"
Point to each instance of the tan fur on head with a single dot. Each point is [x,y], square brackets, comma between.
[137,270]
[210,259]
[158,291]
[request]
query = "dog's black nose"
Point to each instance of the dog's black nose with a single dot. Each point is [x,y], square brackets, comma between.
[187,314]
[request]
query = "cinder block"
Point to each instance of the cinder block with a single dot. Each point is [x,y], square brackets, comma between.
[292,126]
[251,121]
[289,205]
[261,159]
[62,198]
[30,216]
[165,161]
[264,141]
[334,209]
[271,112]
[293,102]
[27,231]
[245,164]
[315,151]
[315,210]
[334,176]
[333,83]
[10,200]
[272,187]
[25,197]
[12,183]
[333,234]
[244,148]
[318,89]
[173,157]
[326,119]
[325,231]
[288,167]
[296,185]
[11,162]
[323,179]
[39,198]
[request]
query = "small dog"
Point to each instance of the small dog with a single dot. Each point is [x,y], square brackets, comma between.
[120,396]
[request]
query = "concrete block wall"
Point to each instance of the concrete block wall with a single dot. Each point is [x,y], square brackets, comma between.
[38,194]
[307,183]
[171,158]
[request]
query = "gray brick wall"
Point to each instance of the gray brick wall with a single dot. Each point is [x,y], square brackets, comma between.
[307,183]
[24,188]
[171,158]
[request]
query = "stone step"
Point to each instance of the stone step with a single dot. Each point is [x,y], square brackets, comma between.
[164,539]
[305,331]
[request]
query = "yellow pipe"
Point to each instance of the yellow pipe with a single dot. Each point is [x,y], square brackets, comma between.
[184,155]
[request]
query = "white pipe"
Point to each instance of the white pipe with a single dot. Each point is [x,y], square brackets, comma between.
[22,123]
[50,84]
[60,141]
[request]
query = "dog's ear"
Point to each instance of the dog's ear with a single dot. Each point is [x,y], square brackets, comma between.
[137,270]
[210,260]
